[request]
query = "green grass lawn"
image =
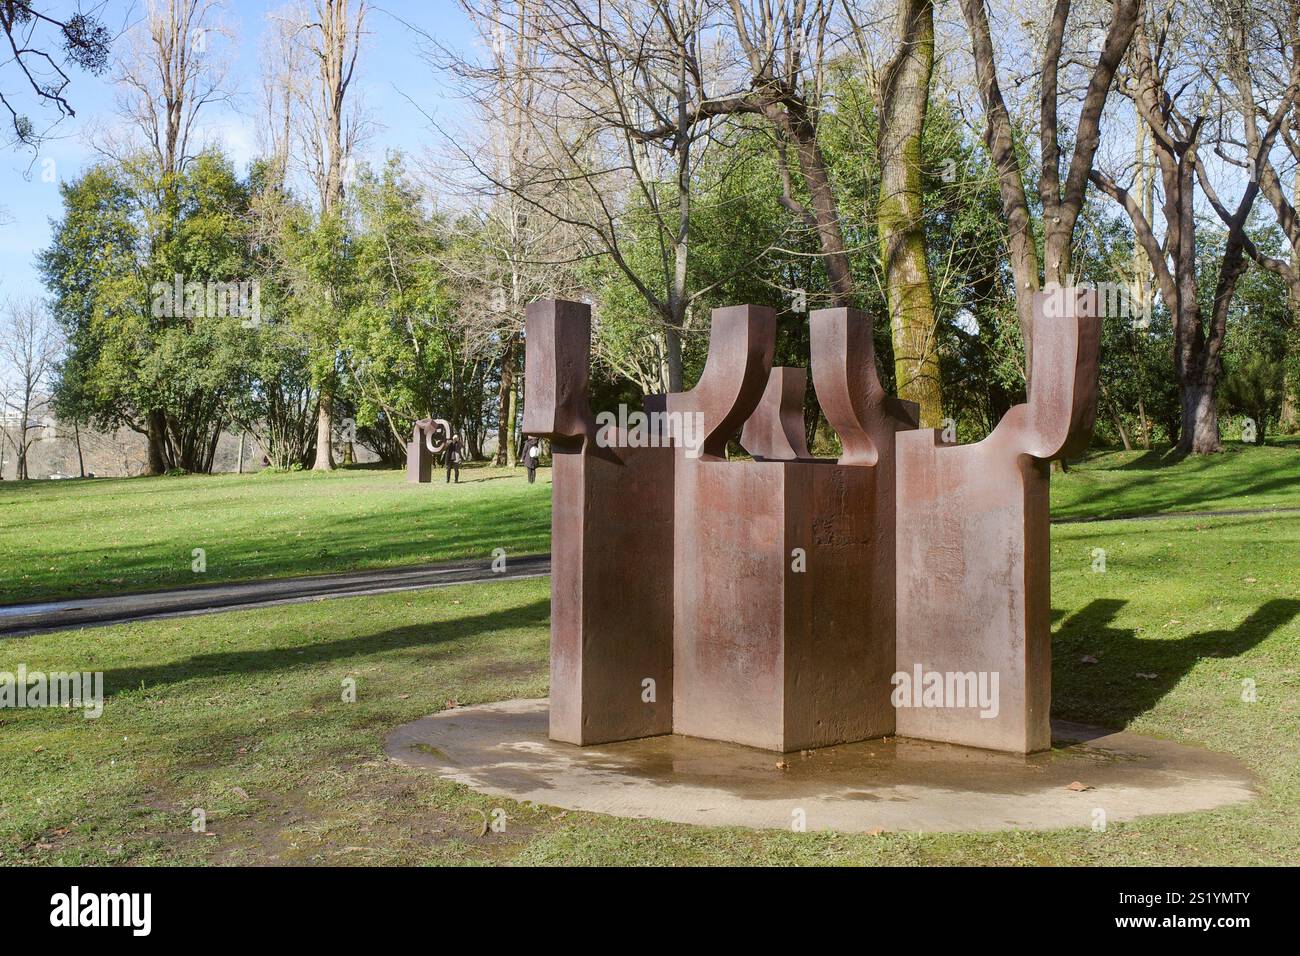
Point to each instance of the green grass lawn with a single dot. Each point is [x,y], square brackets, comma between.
[77,538]
[111,535]
[1117,483]
[241,714]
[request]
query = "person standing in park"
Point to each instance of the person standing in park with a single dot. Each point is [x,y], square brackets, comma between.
[451,458]
[532,455]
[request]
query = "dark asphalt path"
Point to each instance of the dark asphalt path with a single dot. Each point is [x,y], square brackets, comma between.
[19,619]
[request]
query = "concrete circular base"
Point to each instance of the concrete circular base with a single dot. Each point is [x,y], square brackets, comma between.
[879,785]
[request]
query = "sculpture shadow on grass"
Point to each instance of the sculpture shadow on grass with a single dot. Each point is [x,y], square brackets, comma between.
[296,655]
[1111,692]
[1173,496]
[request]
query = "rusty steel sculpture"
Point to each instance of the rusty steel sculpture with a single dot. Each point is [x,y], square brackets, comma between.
[777,602]
[429,439]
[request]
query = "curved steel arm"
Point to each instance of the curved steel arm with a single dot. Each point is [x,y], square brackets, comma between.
[848,387]
[742,339]
[1058,418]
[775,431]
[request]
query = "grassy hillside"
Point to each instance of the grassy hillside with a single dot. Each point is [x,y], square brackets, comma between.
[62,538]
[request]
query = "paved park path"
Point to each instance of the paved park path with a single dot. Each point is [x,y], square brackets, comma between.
[19,619]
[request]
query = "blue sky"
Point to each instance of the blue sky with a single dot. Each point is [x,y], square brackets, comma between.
[391,75]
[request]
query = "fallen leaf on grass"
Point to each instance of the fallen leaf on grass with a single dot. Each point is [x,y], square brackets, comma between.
[1088,659]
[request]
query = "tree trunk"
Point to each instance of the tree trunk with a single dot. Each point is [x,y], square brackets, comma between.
[504,426]
[81,459]
[157,432]
[324,427]
[1199,433]
[512,453]
[902,100]
[793,121]
[673,358]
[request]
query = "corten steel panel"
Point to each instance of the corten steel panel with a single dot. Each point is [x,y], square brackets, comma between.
[419,463]
[728,522]
[974,572]
[853,516]
[728,674]
[771,656]
[775,431]
[419,459]
[839,638]
[611,550]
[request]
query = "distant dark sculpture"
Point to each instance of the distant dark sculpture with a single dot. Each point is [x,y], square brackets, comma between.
[783,602]
[429,439]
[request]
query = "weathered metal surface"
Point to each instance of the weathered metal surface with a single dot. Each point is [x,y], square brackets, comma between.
[775,430]
[429,438]
[771,602]
[742,339]
[974,567]
[611,548]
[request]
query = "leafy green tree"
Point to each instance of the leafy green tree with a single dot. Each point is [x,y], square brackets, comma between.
[399,364]
[156,342]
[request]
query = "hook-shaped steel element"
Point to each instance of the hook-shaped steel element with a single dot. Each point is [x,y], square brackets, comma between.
[742,340]
[775,431]
[1058,418]
[848,386]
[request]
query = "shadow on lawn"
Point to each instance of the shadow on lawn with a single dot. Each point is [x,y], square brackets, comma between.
[1145,471]
[1111,689]
[266,660]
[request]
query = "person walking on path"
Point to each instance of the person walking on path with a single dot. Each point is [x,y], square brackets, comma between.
[532,455]
[451,458]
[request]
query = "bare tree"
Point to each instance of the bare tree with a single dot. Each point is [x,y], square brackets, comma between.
[1166,81]
[608,99]
[41,44]
[516,251]
[30,344]
[332,34]
[1061,199]
[1261,64]
[283,86]
[169,73]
